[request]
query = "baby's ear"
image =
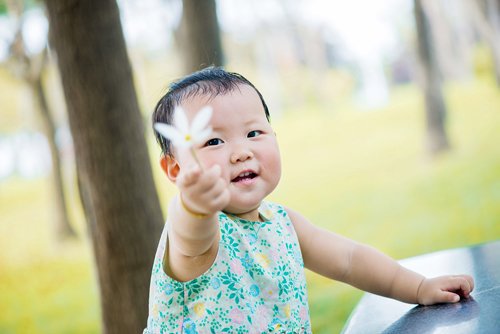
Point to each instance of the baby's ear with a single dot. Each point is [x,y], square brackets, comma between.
[170,166]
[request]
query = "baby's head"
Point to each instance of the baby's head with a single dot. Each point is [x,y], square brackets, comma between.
[209,82]
[242,142]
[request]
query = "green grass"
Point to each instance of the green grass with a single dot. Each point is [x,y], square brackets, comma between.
[363,174]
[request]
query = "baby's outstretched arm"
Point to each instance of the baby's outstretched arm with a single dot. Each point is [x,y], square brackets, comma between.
[375,272]
[192,217]
[368,269]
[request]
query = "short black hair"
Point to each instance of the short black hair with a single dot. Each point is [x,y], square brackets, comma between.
[211,81]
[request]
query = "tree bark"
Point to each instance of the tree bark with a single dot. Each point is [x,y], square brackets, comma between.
[437,139]
[199,35]
[120,201]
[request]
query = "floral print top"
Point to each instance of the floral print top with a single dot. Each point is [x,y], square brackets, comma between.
[255,285]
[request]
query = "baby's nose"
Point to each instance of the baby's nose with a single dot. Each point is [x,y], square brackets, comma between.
[241,154]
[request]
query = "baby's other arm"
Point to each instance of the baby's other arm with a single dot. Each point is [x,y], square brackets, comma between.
[193,233]
[368,269]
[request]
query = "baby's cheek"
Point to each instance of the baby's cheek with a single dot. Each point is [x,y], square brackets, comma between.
[274,164]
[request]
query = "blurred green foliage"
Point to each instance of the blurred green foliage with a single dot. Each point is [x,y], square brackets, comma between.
[26,3]
[363,174]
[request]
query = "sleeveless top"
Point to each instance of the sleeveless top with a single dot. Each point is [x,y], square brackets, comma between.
[255,285]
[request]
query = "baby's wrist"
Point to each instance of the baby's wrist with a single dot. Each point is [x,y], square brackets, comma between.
[420,290]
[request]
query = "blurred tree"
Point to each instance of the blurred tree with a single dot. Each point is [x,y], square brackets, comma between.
[486,18]
[309,47]
[493,14]
[493,8]
[117,188]
[30,69]
[199,36]
[452,38]
[437,139]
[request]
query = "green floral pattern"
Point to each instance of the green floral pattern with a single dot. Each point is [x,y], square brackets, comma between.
[256,284]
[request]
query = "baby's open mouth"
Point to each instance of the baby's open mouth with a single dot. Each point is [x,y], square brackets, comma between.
[244,176]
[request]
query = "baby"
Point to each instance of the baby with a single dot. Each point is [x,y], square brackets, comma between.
[230,262]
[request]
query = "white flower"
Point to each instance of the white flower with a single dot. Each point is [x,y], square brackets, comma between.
[183,135]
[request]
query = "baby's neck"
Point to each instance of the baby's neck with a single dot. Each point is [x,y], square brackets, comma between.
[253,215]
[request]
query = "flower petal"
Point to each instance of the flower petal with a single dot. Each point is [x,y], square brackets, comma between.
[180,120]
[200,136]
[184,144]
[169,132]
[201,119]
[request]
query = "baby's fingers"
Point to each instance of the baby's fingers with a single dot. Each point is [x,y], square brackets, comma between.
[453,287]
[220,199]
[470,280]
[214,171]
[462,284]
[445,289]
[447,297]
[189,177]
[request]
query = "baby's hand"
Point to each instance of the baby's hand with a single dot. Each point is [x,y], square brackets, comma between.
[203,191]
[444,289]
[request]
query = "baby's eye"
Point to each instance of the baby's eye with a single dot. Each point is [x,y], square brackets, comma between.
[254,133]
[214,142]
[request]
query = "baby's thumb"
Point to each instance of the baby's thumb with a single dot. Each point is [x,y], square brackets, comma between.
[190,176]
[215,171]
[448,297]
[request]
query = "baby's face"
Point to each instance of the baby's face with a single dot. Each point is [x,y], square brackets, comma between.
[242,143]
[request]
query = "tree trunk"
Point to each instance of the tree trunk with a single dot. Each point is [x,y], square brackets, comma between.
[437,140]
[448,39]
[493,14]
[199,35]
[120,201]
[485,23]
[63,229]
